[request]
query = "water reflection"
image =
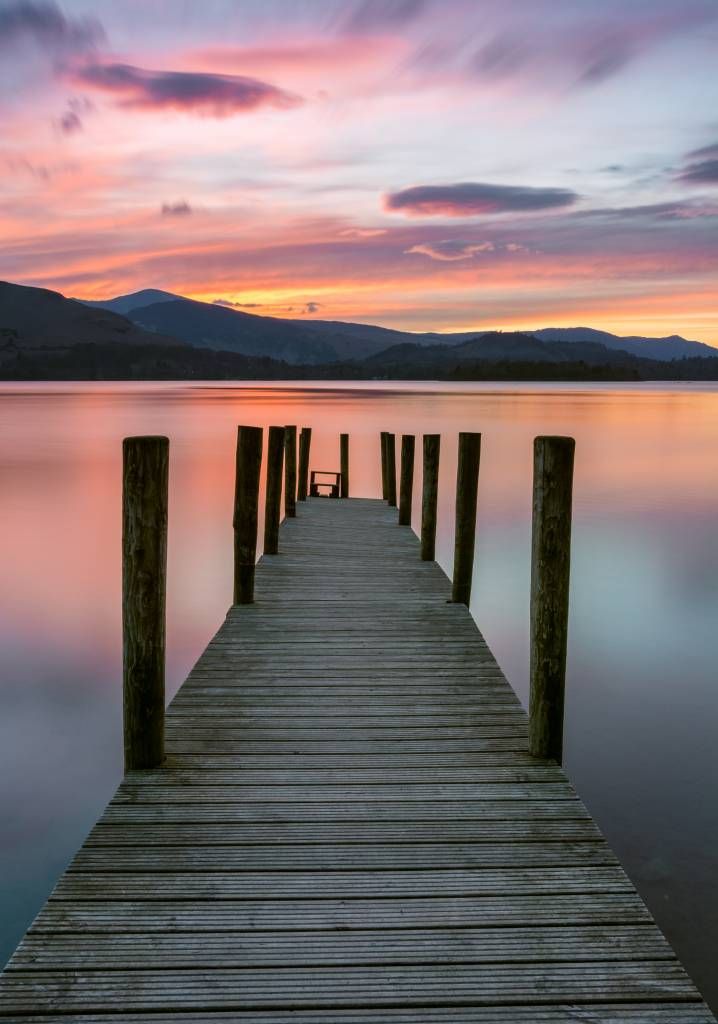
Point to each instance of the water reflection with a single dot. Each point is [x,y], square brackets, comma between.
[642,701]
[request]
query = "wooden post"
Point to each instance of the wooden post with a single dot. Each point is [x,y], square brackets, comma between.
[273,500]
[391,469]
[246,501]
[467,485]
[144,575]
[406,486]
[344,464]
[429,497]
[305,441]
[290,472]
[550,570]
[384,474]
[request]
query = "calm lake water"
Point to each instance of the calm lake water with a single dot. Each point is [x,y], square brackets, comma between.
[642,696]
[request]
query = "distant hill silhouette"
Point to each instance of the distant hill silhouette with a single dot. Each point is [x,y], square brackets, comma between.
[37,321]
[314,341]
[46,336]
[209,326]
[672,347]
[135,300]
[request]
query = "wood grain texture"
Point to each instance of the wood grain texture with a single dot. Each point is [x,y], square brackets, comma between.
[273,496]
[344,465]
[290,472]
[550,570]
[144,585]
[305,443]
[406,485]
[246,511]
[467,485]
[348,828]
[430,495]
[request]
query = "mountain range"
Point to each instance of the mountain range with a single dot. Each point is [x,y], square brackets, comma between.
[160,333]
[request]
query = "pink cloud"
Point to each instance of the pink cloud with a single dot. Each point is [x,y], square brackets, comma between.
[196,92]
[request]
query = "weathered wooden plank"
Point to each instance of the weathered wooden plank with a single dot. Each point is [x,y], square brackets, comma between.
[338,884]
[472,810]
[273,857]
[67,951]
[287,988]
[617,1013]
[146,793]
[158,916]
[204,834]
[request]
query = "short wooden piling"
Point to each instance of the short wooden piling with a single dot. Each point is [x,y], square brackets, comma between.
[246,502]
[391,469]
[550,571]
[344,464]
[406,484]
[384,474]
[144,574]
[429,497]
[305,441]
[290,472]
[467,485]
[273,498]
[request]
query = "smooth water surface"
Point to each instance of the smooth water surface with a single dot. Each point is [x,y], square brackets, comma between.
[642,698]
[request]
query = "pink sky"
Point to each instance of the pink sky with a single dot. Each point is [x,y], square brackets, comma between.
[426,165]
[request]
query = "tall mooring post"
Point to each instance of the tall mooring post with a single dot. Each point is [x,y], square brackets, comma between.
[391,468]
[305,441]
[144,575]
[290,472]
[384,473]
[344,465]
[430,495]
[467,485]
[246,504]
[550,571]
[273,498]
[406,484]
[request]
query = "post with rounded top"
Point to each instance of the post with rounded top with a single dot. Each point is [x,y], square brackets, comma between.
[384,475]
[550,570]
[391,469]
[406,485]
[246,502]
[344,464]
[273,497]
[290,472]
[305,441]
[467,486]
[429,497]
[144,575]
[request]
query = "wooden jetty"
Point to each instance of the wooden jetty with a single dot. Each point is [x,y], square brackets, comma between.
[348,826]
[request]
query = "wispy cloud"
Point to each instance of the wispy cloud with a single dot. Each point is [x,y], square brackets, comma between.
[469,199]
[195,92]
[450,250]
[701,166]
[373,15]
[44,25]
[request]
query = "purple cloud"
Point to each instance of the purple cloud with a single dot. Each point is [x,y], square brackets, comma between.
[586,52]
[45,25]
[702,166]
[196,92]
[180,209]
[468,199]
[370,15]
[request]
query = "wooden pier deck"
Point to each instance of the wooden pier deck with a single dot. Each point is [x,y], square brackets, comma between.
[347,829]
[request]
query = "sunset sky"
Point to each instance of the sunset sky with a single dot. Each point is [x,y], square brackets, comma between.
[444,165]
